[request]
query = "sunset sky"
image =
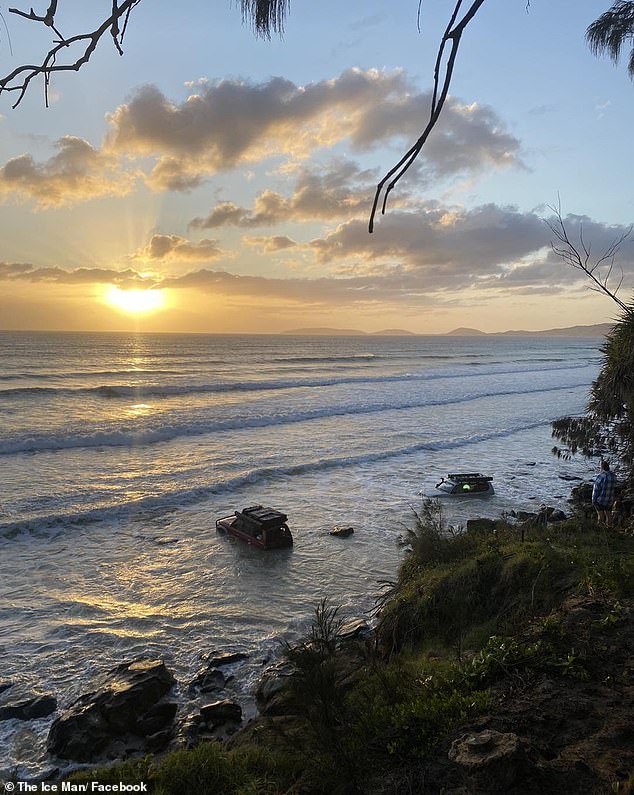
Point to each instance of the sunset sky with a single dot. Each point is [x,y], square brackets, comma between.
[212,181]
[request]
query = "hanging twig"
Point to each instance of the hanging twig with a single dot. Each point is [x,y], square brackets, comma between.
[452,35]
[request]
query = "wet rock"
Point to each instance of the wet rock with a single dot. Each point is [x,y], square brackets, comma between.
[156,718]
[219,712]
[207,681]
[341,532]
[496,760]
[271,694]
[357,628]
[218,660]
[28,709]
[190,731]
[128,697]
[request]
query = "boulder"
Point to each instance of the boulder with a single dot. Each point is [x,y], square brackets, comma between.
[356,628]
[156,718]
[228,658]
[496,760]
[126,704]
[557,516]
[208,680]
[28,709]
[582,495]
[218,712]
[272,690]
[341,532]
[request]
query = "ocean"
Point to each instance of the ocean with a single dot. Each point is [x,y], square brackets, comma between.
[119,451]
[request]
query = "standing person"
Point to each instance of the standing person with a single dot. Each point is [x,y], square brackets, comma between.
[603,494]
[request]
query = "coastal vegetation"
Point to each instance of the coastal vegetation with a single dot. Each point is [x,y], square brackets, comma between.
[495,630]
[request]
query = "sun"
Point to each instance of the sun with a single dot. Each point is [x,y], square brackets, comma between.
[135,302]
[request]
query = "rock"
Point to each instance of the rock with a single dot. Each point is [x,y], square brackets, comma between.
[557,516]
[159,741]
[270,694]
[29,709]
[219,712]
[208,680]
[526,516]
[496,760]
[219,660]
[582,494]
[341,532]
[156,718]
[191,731]
[357,628]
[128,696]
[480,525]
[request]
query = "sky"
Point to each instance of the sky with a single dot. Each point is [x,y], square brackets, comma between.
[212,181]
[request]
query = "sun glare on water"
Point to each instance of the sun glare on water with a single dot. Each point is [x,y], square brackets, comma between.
[135,302]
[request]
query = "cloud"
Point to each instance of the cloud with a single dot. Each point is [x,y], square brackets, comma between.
[438,255]
[56,275]
[450,249]
[76,173]
[338,191]
[271,245]
[174,247]
[228,123]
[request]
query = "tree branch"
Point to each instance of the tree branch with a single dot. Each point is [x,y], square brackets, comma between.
[20,78]
[579,256]
[453,35]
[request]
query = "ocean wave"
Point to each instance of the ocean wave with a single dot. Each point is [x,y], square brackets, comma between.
[139,391]
[54,523]
[126,437]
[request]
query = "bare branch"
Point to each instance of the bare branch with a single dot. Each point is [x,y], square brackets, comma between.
[579,256]
[20,78]
[453,34]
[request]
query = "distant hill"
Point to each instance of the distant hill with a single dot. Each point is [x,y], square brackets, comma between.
[394,332]
[598,330]
[466,332]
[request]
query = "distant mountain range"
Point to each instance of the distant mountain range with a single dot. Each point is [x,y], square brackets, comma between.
[598,330]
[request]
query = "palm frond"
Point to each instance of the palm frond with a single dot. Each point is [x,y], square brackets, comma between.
[609,33]
[266,15]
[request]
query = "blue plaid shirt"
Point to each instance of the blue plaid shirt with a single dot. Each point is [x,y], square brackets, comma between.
[603,490]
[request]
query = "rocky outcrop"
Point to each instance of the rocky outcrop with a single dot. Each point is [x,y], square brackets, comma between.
[272,693]
[207,681]
[127,705]
[37,706]
[217,713]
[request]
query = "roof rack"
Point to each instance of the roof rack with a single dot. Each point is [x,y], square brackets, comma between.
[466,476]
